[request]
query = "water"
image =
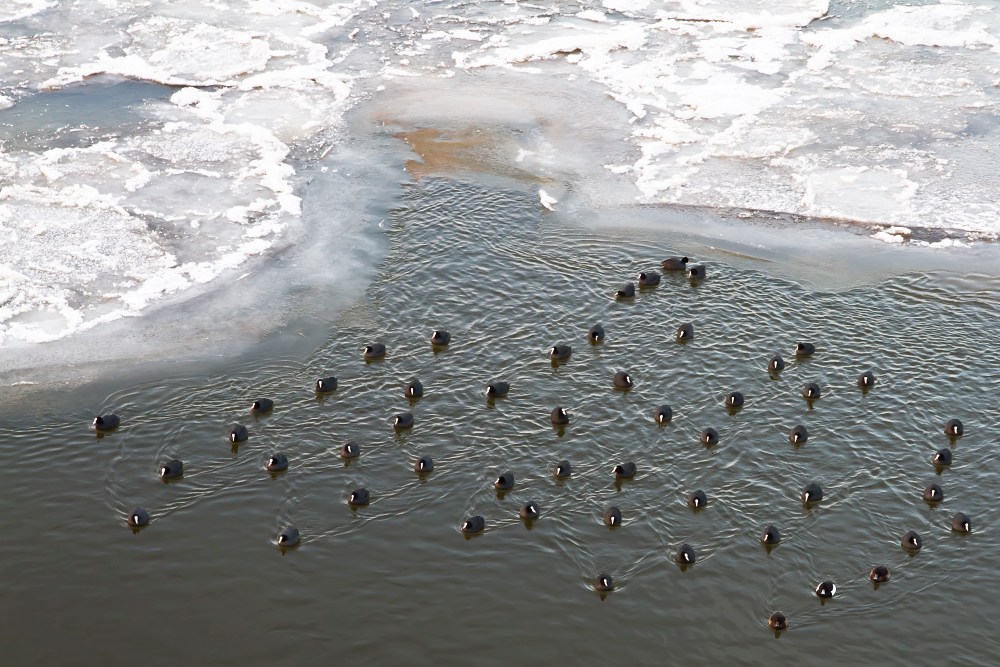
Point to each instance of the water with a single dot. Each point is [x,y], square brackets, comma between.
[396,581]
[203,204]
[64,118]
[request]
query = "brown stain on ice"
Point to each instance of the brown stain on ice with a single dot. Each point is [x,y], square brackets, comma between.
[479,150]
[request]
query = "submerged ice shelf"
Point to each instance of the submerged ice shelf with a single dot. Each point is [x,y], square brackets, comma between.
[879,114]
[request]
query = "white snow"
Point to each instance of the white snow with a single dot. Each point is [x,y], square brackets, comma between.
[14,10]
[762,105]
[79,227]
[548,201]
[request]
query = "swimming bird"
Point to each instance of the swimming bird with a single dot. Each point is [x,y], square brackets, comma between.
[810,390]
[697,272]
[804,349]
[664,414]
[879,574]
[596,333]
[623,380]
[563,469]
[106,422]
[734,400]
[685,555]
[277,462]
[138,518]
[954,428]
[866,379]
[777,621]
[560,352]
[710,436]
[697,499]
[325,385]
[770,535]
[349,450]
[414,389]
[424,464]
[911,541]
[289,537]
[359,497]
[626,292]
[238,433]
[474,524]
[649,279]
[374,351]
[961,523]
[675,264]
[612,517]
[559,416]
[625,470]
[942,457]
[799,435]
[497,390]
[440,338]
[504,482]
[776,364]
[812,493]
[403,420]
[933,493]
[172,469]
[685,331]
[604,584]
[827,589]
[529,510]
[262,405]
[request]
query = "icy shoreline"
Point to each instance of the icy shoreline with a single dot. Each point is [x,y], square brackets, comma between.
[883,118]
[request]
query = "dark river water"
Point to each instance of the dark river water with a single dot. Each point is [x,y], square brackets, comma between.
[396,582]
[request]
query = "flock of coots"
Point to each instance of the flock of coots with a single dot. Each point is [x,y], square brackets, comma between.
[685,554]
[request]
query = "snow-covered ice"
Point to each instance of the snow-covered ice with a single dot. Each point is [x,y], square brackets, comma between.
[882,114]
